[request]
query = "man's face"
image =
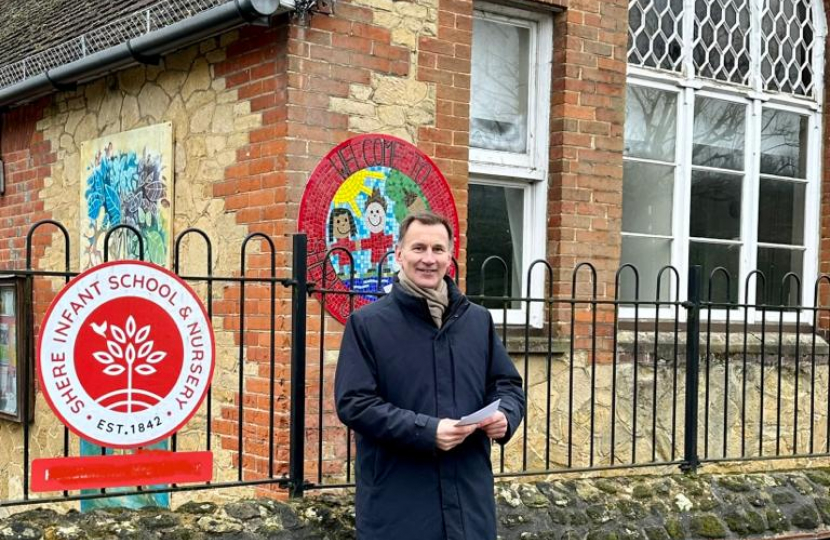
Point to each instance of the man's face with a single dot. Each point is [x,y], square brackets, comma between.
[424,254]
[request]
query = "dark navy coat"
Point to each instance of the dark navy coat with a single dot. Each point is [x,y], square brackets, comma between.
[397,376]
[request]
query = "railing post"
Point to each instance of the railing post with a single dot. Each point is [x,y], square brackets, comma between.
[299,304]
[27,374]
[691,460]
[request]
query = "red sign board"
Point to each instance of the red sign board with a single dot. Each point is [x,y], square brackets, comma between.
[125,355]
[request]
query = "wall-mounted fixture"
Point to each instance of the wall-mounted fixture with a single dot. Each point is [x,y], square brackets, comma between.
[16,370]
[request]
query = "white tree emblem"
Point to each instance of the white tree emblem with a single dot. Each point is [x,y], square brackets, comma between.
[128,350]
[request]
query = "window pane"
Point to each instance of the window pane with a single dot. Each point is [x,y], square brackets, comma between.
[648,255]
[8,352]
[6,301]
[647,198]
[650,123]
[788,46]
[711,256]
[722,37]
[784,144]
[716,205]
[775,263]
[498,115]
[719,134]
[781,212]
[496,217]
[655,33]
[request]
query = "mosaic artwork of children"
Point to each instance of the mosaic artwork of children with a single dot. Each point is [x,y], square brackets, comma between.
[365,224]
[364,188]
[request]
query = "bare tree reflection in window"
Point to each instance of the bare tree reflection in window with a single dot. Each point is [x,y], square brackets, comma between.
[783,143]
[719,131]
[651,123]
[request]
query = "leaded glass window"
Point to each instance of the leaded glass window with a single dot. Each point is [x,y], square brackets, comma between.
[768,45]
[722,151]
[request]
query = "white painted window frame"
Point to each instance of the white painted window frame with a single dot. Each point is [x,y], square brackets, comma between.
[677,208]
[530,170]
[756,99]
[750,194]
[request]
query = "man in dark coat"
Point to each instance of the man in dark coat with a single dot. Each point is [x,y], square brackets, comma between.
[411,364]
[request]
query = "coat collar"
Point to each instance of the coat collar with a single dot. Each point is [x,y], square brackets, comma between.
[418,306]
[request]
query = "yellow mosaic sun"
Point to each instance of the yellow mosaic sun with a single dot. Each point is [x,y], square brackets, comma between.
[353,186]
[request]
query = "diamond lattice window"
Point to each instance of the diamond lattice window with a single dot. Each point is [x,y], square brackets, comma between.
[655,33]
[721,41]
[768,45]
[722,156]
[787,45]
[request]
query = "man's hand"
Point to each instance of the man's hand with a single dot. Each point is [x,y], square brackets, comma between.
[495,426]
[448,435]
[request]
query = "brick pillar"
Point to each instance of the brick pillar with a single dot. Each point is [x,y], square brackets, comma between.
[824,243]
[445,61]
[587,115]
[254,189]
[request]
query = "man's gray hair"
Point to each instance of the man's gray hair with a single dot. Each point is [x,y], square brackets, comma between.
[424,218]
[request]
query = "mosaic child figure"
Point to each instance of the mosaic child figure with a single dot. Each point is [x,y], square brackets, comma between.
[374,214]
[342,228]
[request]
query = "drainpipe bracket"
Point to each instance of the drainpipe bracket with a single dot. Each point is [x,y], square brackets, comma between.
[59,86]
[261,21]
[147,59]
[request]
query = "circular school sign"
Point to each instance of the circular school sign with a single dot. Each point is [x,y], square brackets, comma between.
[351,211]
[126,354]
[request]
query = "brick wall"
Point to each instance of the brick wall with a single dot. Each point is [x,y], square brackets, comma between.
[254,190]
[587,115]
[27,160]
[445,61]
[297,77]
[329,63]
[824,227]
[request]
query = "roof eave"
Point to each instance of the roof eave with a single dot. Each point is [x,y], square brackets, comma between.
[192,30]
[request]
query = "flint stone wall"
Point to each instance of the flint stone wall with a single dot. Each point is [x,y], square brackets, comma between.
[743,408]
[781,505]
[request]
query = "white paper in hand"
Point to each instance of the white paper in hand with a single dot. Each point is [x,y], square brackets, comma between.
[479,415]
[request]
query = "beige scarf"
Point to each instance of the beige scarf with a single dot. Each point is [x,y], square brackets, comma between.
[437,299]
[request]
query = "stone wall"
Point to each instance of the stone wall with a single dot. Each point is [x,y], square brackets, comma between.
[793,504]
[211,124]
[731,402]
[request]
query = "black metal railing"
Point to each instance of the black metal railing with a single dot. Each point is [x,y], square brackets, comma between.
[614,379]
[629,382]
[247,286]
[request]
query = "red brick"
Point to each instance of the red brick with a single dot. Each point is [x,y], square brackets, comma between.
[376,33]
[352,43]
[437,46]
[371,62]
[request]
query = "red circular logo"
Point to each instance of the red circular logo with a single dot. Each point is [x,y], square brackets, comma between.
[125,354]
[134,339]
[352,208]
